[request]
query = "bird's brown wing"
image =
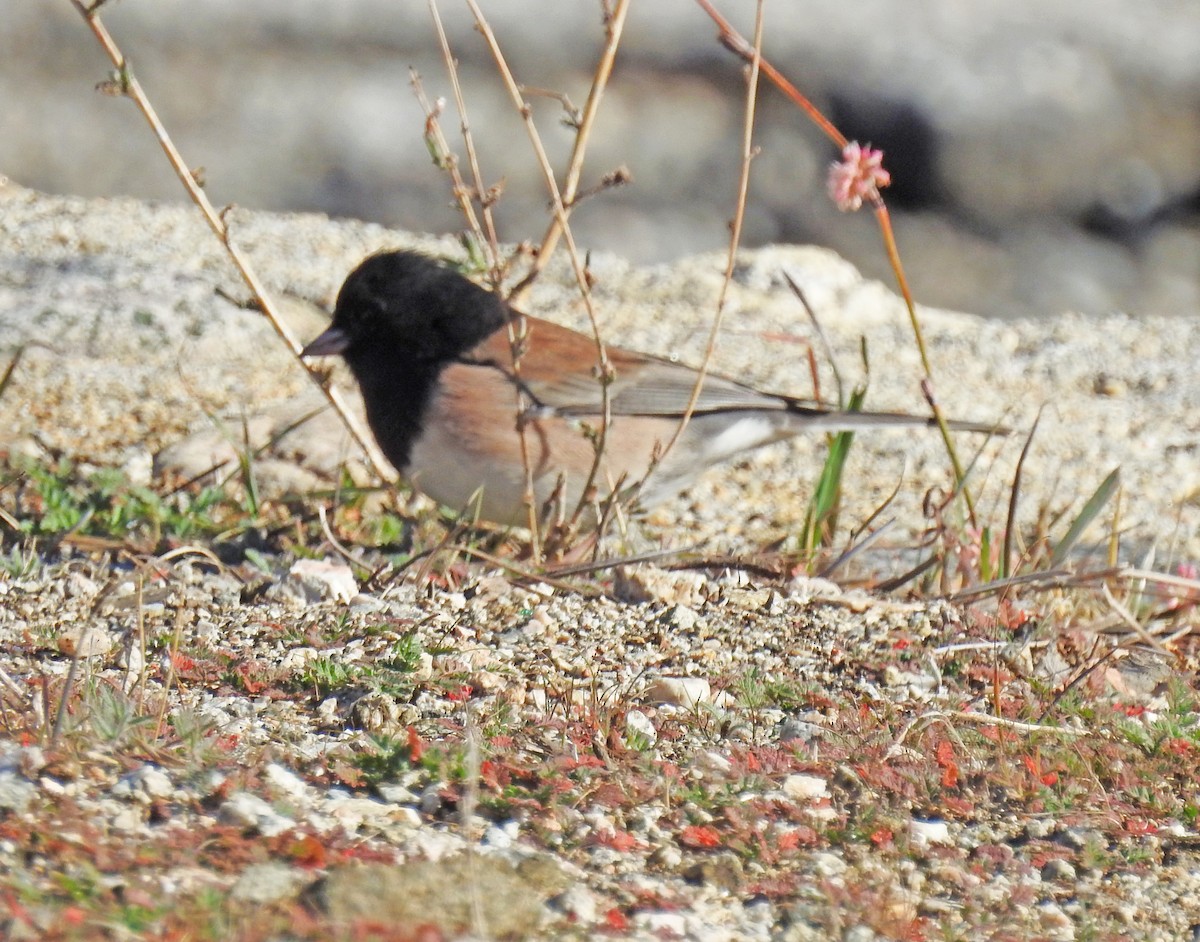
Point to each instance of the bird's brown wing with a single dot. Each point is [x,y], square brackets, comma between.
[558,369]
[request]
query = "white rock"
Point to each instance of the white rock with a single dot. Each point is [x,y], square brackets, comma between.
[828,865]
[579,902]
[924,833]
[683,617]
[334,580]
[267,883]
[127,820]
[639,725]
[680,691]
[396,794]
[805,787]
[15,792]
[711,762]
[250,811]
[660,923]
[155,782]
[286,781]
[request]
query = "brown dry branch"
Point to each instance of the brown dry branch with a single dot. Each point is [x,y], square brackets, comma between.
[604,367]
[736,43]
[490,241]
[735,228]
[517,329]
[614,26]
[466,197]
[127,85]
[444,158]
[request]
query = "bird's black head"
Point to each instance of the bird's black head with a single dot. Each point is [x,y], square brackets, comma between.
[411,306]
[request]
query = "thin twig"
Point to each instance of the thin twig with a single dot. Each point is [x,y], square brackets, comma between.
[735,230]
[492,241]
[516,327]
[732,40]
[1134,625]
[570,190]
[323,516]
[1010,525]
[988,719]
[443,157]
[604,367]
[980,719]
[127,84]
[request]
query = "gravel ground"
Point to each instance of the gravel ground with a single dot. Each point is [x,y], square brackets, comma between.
[270,747]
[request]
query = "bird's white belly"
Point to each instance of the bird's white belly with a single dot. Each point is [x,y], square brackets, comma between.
[444,468]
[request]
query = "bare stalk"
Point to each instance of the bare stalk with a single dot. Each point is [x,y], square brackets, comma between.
[444,158]
[126,84]
[615,24]
[490,240]
[732,40]
[560,213]
[481,191]
[749,152]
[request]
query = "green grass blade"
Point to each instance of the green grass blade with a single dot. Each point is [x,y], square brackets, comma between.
[821,516]
[1091,509]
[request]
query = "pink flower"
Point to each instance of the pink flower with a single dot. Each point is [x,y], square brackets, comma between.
[857,176]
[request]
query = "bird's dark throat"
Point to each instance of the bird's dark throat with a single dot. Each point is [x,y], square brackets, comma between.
[397,392]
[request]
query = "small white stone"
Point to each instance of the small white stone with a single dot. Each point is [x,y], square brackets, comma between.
[828,865]
[640,726]
[579,902]
[15,792]
[396,794]
[285,781]
[712,762]
[683,617]
[267,883]
[924,833]
[127,820]
[407,816]
[334,580]
[805,787]
[660,922]
[155,782]
[497,837]
[250,811]
[680,691]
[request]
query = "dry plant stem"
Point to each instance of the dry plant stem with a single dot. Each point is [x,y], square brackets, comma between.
[560,213]
[1134,625]
[489,240]
[9,370]
[485,205]
[141,638]
[445,158]
[1160,578]
[169,680]
[130,87]
[735,229]
[1055,579]
[614,28]
[470,801]
[732,40]
[10,521]
[987,719]
[980,719]
[326,529]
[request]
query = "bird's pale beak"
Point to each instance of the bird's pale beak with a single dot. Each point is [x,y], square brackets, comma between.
[334,340]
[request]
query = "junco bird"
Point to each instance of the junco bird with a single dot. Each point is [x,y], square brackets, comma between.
[432,356]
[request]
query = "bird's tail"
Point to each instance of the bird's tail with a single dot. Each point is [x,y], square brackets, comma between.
[833,420]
